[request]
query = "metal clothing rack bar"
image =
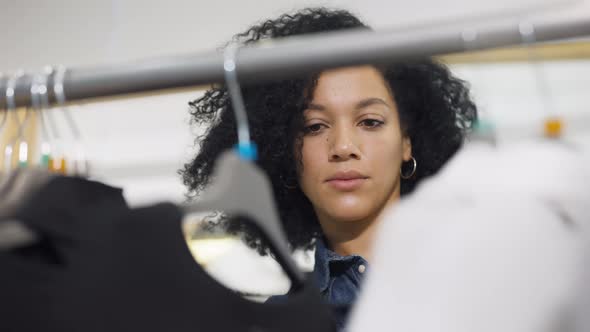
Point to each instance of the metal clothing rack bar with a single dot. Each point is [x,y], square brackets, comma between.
[290,57]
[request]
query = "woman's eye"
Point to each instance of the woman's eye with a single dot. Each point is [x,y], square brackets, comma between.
[314,128]
[371,123]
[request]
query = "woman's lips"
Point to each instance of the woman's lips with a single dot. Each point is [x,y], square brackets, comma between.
[346,184]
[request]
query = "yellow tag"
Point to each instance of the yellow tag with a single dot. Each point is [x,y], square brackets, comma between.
[553,127]
[58,166]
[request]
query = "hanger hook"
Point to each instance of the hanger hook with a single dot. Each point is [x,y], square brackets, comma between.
[528,35]
[5,112]
[60,96]
[81,163]
[58,85]
[44,101]
[246,148]
[10,107]
[35,92]
[483,128]
[43,91]
[23,150]
[469,37]
[11,103]
[10,87]
[36,103]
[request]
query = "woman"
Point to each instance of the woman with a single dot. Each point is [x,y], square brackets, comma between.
[339,147]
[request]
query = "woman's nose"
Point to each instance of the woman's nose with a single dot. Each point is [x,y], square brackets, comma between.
[343,145]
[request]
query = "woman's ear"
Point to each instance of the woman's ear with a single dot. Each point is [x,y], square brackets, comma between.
[406,148]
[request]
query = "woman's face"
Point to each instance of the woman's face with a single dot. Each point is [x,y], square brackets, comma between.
[353,145]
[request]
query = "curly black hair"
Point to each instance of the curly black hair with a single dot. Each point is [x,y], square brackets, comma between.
[435,112]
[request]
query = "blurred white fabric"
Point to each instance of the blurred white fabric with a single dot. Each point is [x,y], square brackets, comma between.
[495,242]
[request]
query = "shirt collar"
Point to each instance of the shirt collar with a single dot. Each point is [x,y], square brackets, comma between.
[325,259]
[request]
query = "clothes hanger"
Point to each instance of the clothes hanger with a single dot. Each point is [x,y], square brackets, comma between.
[553,124]
[240,188]
[57,160]
[11,107]
[3,121]
[4,112]
[23,146]
[80,165]
[38,88]
[483,128]
[12,232]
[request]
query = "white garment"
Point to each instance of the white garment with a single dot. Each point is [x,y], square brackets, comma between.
[493,243]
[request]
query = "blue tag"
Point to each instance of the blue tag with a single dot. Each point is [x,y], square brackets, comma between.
[247,151]
[483,127]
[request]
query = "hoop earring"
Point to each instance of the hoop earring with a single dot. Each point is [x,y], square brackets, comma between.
[414,167]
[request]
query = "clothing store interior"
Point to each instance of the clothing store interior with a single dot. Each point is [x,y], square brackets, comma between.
[295,165]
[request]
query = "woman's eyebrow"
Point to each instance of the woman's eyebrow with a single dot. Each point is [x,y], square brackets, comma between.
[361,104]
[315,107]
[371,101]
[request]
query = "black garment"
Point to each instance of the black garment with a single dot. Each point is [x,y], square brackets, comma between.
[104,267]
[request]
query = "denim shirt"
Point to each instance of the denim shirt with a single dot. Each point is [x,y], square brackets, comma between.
[338,278]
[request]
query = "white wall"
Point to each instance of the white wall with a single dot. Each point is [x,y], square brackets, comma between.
[512,96]
[139,144]
[74,32]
